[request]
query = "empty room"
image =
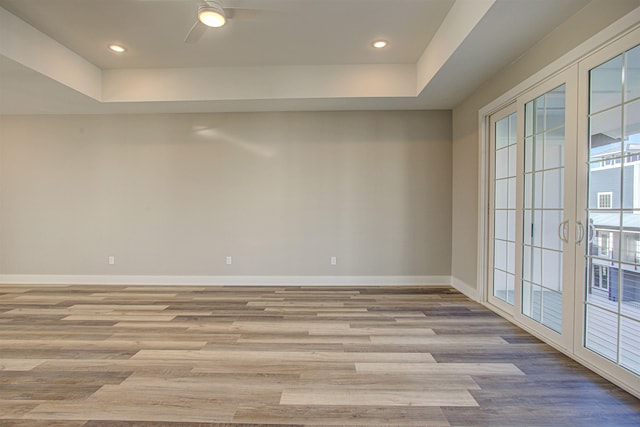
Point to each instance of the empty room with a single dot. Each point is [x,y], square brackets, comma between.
[319,212]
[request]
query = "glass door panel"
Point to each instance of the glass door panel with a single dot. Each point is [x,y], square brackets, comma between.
[544,229]
[612,253]
[531,201]
[504,160]
[571,266]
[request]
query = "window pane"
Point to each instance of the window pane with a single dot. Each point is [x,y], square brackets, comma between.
[538,105]
[528,120]
[554,148]
[510,288]
[602,285]
[511,193]
[500,255]
[532,264]
[499,283]
[553,189]
[533,190]
[527,227]
[631,237]
[632,76]
[604,180]
[502,163]
[536,303]
[630,345]
[528,155]
[552,269]
[502,133]
[606,85]
[604,244]
[554,108]
[501,194]
[602,332]
[511,257]
[500,226]
[513,129]
[632,127]
[513,158]
[630,304]
[605,131]
[526,264]
[536,228]
[536,265]
[630,248]
[526,298]
[537,190]
[528,191]
[551,220]
[538,152]
[511,225]
[552,309]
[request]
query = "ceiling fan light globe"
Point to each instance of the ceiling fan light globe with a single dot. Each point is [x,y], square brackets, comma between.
[212,17]
[380,44]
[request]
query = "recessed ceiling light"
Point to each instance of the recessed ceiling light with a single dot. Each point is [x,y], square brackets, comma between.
[379,44]
[117,48]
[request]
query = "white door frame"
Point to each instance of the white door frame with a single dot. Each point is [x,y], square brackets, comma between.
[607,37]
[595,361]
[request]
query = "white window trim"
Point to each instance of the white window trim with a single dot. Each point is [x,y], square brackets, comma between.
[608,194]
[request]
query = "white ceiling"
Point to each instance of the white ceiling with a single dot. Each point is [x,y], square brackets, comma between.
[292,55]
[289,32]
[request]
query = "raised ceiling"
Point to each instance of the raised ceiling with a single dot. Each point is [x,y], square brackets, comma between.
[286,32]
[290,55]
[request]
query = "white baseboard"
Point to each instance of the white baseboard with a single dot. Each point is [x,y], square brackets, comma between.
[45,279]
[465,288]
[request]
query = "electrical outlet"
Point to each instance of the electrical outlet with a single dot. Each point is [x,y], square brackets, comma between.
[229,260]
[334,260]
[112,260]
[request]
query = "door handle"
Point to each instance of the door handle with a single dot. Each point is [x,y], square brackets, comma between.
[592,232]
[562,231]
[579,232]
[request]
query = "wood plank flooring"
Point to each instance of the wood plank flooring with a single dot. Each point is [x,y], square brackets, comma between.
[96,356]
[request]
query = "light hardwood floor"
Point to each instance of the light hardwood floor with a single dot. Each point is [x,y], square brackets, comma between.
[174,356]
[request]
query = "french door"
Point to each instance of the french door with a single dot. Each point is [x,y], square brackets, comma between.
[563,257]
[548,208]
[532,200]
[608,260]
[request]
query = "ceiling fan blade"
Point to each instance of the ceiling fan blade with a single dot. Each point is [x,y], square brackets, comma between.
[196,32]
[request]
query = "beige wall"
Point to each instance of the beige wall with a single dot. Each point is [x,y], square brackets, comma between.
[593,18]
[176,194]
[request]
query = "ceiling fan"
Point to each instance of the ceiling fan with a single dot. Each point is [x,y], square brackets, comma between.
[211,14]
